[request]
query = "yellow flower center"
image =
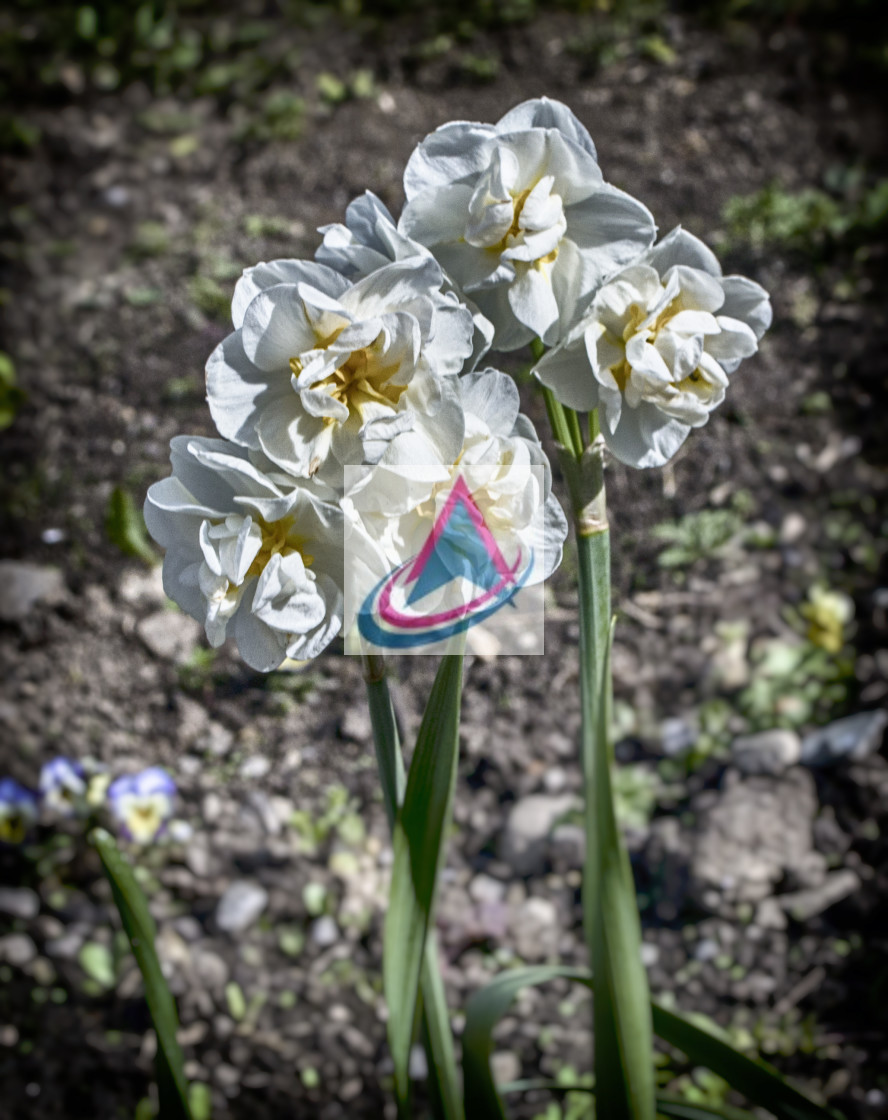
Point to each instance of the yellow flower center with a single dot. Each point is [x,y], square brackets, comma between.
[13,828]
[278,538]
[635,316]
[363,378]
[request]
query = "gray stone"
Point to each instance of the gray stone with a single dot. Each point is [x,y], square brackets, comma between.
[568,846]
[17,949]
[23,585]
[255,767]
[750,833]
[170,635]
[241,905]
[802,905]
[66,947]
[483,889]
[19,902]
[418,1067]
[535,929]
[217,740]
[852,738]
[505,1065]
[768,752]
[208,969]
[324,931]
[525,837]
[141,588]
[677,737]
[355,724]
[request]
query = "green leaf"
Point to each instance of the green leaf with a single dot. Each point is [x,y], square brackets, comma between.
[140,930]
[759,1082]
[444,1086]
[417,842]
[680,1109]
[667,1104]
[125,527]
[624,1072]
[98,963]
[483,1011]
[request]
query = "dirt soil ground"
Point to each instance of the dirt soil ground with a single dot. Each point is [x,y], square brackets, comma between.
[110,333]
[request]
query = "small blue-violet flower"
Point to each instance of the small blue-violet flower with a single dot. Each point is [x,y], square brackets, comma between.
[142,803]
[18,810]
[63,786]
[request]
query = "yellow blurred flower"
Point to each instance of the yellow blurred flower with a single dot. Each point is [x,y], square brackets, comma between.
[828,613]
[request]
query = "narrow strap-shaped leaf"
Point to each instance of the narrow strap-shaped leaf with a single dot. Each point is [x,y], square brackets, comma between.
[417,843]
[140,931]
[667,1104]
[444,1083]
[443,1077]
[678,1109]
[483,1011]
[758,1081]
[624,1072]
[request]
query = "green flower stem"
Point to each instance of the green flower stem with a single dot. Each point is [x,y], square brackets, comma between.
[444,1079]
[624,1075]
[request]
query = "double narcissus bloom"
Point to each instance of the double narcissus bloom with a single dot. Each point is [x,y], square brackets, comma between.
[367,357]
[18,811]
[520,217]
[142,804]
[655,348]
[321,372]
[252,553]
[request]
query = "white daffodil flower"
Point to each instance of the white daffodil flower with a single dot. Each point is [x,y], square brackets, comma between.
[656,346]
[390,509]
[321,372]
[519,215]
[251,552]
[369,240]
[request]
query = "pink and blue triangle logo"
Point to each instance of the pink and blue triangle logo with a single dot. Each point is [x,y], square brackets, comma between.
[457,579]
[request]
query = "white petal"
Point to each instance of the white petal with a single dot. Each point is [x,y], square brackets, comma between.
[286,598]
[277,328]
[392,286]
[542,112]
[438,215]
[261,647]
[747,301]
[734,342]
[509,333]
[681,247]
[456,151]
[292,438]
[533,301]
[267,274]
[611,228]
[566,371]
[236,391]
[491,396]
[645,437]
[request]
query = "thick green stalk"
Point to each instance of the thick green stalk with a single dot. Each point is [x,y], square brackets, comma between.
[623,1039]
[444,1080]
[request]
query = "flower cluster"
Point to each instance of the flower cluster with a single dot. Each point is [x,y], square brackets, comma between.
[370,355]
[140,804]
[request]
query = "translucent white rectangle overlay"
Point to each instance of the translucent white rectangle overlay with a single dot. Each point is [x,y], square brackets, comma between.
[439,558]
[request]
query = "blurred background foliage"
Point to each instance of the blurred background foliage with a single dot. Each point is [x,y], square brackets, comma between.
[53,52]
